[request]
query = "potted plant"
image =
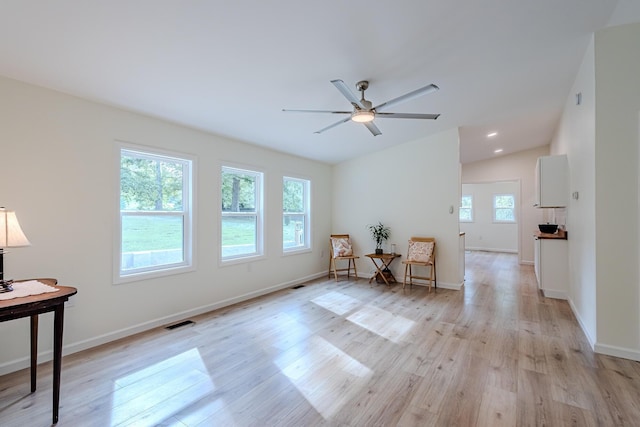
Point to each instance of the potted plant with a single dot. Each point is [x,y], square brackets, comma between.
[379,233]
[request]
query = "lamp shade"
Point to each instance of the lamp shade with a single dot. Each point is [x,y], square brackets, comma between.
[11,235]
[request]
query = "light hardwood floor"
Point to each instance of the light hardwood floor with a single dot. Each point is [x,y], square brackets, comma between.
[350,354]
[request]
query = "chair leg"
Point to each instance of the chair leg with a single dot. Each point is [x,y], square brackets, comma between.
[335,270]
[404,281]
[330,265]
[435,279]
[355,269]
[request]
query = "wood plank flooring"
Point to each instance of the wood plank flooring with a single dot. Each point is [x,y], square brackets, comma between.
[350,354]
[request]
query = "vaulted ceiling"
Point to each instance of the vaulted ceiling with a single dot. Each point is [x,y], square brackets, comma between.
[230,67]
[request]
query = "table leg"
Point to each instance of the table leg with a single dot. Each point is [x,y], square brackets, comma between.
[381,270]
[58,323]
[385,266]
[34,351]
[392,277]
[377,270]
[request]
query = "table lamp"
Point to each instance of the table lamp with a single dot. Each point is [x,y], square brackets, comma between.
[11,236]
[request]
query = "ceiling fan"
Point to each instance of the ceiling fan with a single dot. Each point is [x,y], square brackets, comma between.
[363,110]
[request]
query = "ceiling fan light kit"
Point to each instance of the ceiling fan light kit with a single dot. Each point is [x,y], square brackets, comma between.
[363,110]
[362,116]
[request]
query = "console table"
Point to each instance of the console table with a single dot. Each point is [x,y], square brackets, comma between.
[33,306]
[384,262]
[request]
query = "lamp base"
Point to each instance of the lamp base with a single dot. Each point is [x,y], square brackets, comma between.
[5,286]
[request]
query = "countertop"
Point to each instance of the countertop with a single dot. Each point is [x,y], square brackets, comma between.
[560,234]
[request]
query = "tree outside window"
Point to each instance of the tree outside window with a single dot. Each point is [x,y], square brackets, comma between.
[155,219]
[295,216]
[241,213]
[466,209]
[504,208]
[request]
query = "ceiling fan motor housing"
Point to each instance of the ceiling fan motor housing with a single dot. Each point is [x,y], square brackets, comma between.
[362,85]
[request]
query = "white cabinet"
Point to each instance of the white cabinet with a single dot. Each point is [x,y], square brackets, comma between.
[461,258]
[552,182]
[551,264]
[536,260]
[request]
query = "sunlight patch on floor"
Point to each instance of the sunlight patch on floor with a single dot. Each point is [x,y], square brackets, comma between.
[158,392]
[337,302]
[382,322]
[325,375]
[280,331]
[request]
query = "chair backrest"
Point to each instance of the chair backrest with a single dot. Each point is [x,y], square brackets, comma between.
[340,245]
[421,249]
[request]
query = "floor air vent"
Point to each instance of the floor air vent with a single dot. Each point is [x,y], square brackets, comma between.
[181,324]
[298,287]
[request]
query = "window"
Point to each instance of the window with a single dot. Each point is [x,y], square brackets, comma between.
[155,214]
[295,214]
[466,209]
[504,208]
[241,218]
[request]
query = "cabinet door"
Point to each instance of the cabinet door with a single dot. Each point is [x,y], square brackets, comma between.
[554,268]
[536,259]
[552,182]
[461,258]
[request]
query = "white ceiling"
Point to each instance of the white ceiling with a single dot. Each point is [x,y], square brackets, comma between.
[230,67]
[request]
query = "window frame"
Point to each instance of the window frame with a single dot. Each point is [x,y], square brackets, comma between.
[472,216]
[495,209]
[187,214]
[259,253]
[306,247]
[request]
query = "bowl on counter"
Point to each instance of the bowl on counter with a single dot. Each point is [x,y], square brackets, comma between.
[548,228]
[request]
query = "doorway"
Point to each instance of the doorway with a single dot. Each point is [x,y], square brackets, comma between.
[490,216]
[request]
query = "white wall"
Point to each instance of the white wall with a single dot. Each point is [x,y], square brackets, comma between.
[575,137]
[483,233]
[60,176]
[409,188]
[601,139]
[617,71]
[514,167]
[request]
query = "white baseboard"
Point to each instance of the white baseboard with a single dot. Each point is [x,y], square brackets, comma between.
[477,248]
[609,350]
[24,362]
[550,293]
[592,342]
[443,285]
[612,350]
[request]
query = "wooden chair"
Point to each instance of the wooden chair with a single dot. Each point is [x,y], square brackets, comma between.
[341,250]
[421,253]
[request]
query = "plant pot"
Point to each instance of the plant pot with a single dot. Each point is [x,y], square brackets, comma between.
[378,251]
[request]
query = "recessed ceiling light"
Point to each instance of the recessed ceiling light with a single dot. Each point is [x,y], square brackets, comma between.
[492,134]
[499,150]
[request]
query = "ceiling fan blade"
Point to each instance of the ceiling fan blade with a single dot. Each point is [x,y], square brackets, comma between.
[373,128]
[333,125]
[407,96]
[344,90]
[316,111]
[407,116]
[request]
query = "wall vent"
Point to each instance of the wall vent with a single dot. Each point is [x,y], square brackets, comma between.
[298,287]
[180,324]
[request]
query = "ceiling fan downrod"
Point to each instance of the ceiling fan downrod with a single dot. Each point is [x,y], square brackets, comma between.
[363,85]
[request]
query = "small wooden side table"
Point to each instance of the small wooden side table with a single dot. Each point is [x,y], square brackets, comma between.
[384,262]
[32,306]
